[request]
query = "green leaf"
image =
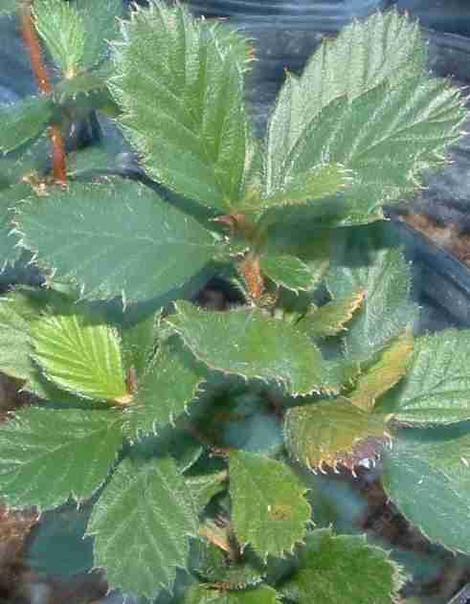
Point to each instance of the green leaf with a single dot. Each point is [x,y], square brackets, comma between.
[204,487]
[16,312]
[80,357]
[165,390]
[49,455]
[322,181]
[141,524]
[384,277]
[249,343]
[23,121]
[139,343]
[387,137]
[384,374]
[436,389]
[269,509]
[427,475]
[201,594]
[84,83]
[129,241]
[332,317]
[100,21]
[289,271]
[63,31]
[179,84]
[387,46]
[10,251]
[333,433]
[344,569]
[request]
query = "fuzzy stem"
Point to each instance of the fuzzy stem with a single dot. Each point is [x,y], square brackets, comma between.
[31,40]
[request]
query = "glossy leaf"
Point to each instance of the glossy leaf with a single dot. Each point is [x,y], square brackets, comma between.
[49,455]
[179,84]
[142,523]
[436,389]
[288,271]
[23,121]
[129,241]
[344,569]
[249,343]
[80,357]
[383,375]
[269,508]
[428,477]
[333,317]
[333,433]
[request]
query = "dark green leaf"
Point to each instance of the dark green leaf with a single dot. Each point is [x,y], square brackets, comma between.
[129,241]
[49,455]
[142,524]
[249,343]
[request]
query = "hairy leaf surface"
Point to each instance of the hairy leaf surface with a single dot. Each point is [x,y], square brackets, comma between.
[436,389]
[202,594]
[142,524]
[164,391]
[16,311]
[63,31]
[179,84]
[387,311]
[128,240]
[332,317]
[80,357]
[49,455]
[248,343]
[333,433]
[344,569]
[269,509]
[428,477]
[23,121]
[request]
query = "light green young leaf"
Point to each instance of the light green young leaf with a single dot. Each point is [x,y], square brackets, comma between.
[23,121]
[269,508]
[251,344]
[202,594]
[384,277]
[427,475]
[384,374]
[332,317]
[387,46]
[289,271]
[129,241]
[436,389]
[388,137]
[63,31]
[333,433]
[142,523]
[344,569]
[100,21]
[179,84]
[164,390]
[49,455]
[80,357]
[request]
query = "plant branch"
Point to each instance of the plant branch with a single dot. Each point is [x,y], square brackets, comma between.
[30,37]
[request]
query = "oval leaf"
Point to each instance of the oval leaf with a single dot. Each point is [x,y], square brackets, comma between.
[269,508]
[289,271]
[49,455]
[129,242]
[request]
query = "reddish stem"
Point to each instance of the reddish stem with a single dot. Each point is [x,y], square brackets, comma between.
[30,37]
